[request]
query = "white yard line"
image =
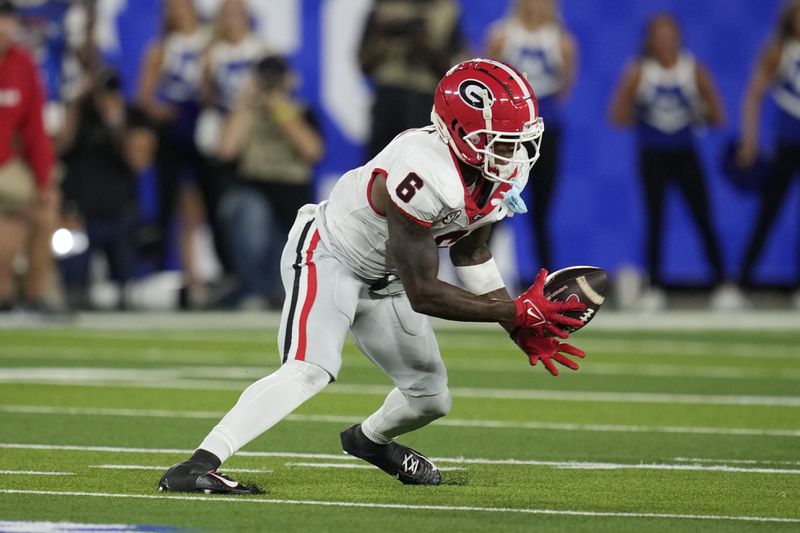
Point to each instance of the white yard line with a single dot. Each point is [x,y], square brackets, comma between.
[735,461]
[621,428]
[35,473]
[607,320]
[376,505]
[38,526]
[497,365]
[171,379]
[459,340]
[656,466]
[147,353]
[673,348]
[686,371]
[344,459]
[622,397]
[452,422]
[162,468]
[356,466]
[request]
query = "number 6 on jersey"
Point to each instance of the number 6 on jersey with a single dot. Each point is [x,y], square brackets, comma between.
[409,187]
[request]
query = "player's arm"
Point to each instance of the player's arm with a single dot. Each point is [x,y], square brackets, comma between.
[417,259]
[476,268]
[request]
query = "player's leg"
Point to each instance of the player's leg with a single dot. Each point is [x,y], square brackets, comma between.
[320,303]
[692,182]
[402,344]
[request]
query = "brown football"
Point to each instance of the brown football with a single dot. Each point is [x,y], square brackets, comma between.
[585,284]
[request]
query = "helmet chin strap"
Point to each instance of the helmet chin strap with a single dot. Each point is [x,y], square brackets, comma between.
[487,109]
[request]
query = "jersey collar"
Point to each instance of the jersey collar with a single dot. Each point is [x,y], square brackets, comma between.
[475,213]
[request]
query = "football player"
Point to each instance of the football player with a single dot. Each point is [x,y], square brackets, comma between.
[366,261]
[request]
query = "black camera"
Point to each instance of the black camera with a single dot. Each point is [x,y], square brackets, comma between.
[272,71]
[407,28]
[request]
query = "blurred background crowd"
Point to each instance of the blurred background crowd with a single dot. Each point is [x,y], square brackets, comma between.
[153,153]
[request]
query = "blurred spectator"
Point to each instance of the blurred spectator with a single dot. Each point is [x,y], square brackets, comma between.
[44,34]
[533,39]
[229,60]
[169,93]
[105,146]
[665,94]
[276,142]
[406,47]
[27,195]
[778,68]
[226,65]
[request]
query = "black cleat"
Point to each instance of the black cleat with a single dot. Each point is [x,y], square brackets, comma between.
[197,477]
[407,465]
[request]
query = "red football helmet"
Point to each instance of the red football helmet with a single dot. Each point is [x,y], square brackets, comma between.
[482,103]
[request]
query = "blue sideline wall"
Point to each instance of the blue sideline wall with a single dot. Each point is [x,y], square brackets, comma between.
[598,217]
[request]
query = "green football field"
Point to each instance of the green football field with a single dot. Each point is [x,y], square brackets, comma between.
[681,429]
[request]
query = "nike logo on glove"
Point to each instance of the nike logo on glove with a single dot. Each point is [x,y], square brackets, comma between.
[534,313]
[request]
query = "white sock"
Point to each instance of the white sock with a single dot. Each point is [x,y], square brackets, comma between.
[263,404]
[401,413]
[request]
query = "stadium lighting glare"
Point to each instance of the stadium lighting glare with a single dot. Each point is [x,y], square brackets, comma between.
[66,243]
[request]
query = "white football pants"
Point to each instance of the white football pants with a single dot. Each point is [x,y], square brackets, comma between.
[325,301]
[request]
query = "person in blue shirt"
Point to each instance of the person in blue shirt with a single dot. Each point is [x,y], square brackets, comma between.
[665,94]
[778,70]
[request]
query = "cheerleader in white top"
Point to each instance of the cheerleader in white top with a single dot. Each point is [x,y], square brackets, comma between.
[665,94]
[169,92]
[533,39]
[230,59]
[778,70]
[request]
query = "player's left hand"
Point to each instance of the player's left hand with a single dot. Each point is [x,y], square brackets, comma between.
[547,349]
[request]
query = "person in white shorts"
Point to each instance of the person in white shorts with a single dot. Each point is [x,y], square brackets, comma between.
[366,262]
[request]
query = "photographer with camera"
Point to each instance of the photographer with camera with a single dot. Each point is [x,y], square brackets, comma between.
[105,144]
[275,140]
[406,47]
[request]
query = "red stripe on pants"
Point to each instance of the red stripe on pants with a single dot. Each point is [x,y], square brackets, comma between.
[311,294]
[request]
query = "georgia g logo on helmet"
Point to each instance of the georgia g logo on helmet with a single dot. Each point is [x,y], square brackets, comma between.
[472,91]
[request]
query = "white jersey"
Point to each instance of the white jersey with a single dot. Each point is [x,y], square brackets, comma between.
[536,53]
[180,69]
[424,181]
[230,64]
[668,98]
[787,88]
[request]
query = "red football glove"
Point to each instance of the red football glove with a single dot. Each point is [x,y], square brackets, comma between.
[539,315]
[547,349]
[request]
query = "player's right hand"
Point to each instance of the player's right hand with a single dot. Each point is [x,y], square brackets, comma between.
[547,350]
[539,315]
